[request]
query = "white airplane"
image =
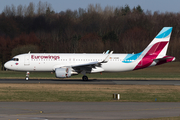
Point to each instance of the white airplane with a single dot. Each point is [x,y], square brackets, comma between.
[65,65]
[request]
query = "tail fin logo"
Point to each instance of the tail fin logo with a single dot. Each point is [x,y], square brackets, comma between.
[159,44]
[156,49]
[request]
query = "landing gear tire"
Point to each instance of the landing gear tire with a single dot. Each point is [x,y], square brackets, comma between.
[27,78]
[85,78]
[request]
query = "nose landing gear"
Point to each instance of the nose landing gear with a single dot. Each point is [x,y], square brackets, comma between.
[27,76]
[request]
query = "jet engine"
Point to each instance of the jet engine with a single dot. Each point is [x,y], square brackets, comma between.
[64,72]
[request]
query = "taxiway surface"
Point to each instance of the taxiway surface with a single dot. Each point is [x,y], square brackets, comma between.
[94,81]
[86,110]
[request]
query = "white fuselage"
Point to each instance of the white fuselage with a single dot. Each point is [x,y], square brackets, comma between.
[50,61]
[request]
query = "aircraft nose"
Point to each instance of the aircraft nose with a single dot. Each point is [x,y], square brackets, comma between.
[6,65]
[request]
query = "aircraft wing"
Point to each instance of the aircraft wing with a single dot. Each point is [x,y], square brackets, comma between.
[89,64]
[94,63]
[107,58]
[85,64]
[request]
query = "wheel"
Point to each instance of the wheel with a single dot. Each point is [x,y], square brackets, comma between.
[27,78]
[84,78]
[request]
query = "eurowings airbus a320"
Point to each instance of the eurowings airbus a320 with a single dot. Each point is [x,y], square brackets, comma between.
[65,65]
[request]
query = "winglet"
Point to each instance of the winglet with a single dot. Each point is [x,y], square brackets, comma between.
[107,51]
[107,58]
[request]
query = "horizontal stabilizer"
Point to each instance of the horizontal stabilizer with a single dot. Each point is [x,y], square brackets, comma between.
[164,59]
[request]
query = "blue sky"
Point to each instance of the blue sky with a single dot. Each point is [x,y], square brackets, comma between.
[63,5]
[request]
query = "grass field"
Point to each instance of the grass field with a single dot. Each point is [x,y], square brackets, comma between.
[88,93]
[165,71]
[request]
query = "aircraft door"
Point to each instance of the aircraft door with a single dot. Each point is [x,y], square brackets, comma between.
[27,59]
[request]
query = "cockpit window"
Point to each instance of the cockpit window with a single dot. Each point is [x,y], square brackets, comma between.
[15,59]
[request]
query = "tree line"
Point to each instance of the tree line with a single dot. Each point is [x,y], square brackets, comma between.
[37,28]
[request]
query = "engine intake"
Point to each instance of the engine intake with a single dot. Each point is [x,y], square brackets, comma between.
[63,72]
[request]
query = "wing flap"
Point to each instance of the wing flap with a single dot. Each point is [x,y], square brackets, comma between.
[85,64]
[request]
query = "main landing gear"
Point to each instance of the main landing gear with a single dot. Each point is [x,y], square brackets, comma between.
[85,78]
[27,76]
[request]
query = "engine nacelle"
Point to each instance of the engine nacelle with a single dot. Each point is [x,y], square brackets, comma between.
[63,72]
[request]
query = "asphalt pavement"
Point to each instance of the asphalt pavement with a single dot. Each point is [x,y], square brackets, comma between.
[87,110]
[93,81]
